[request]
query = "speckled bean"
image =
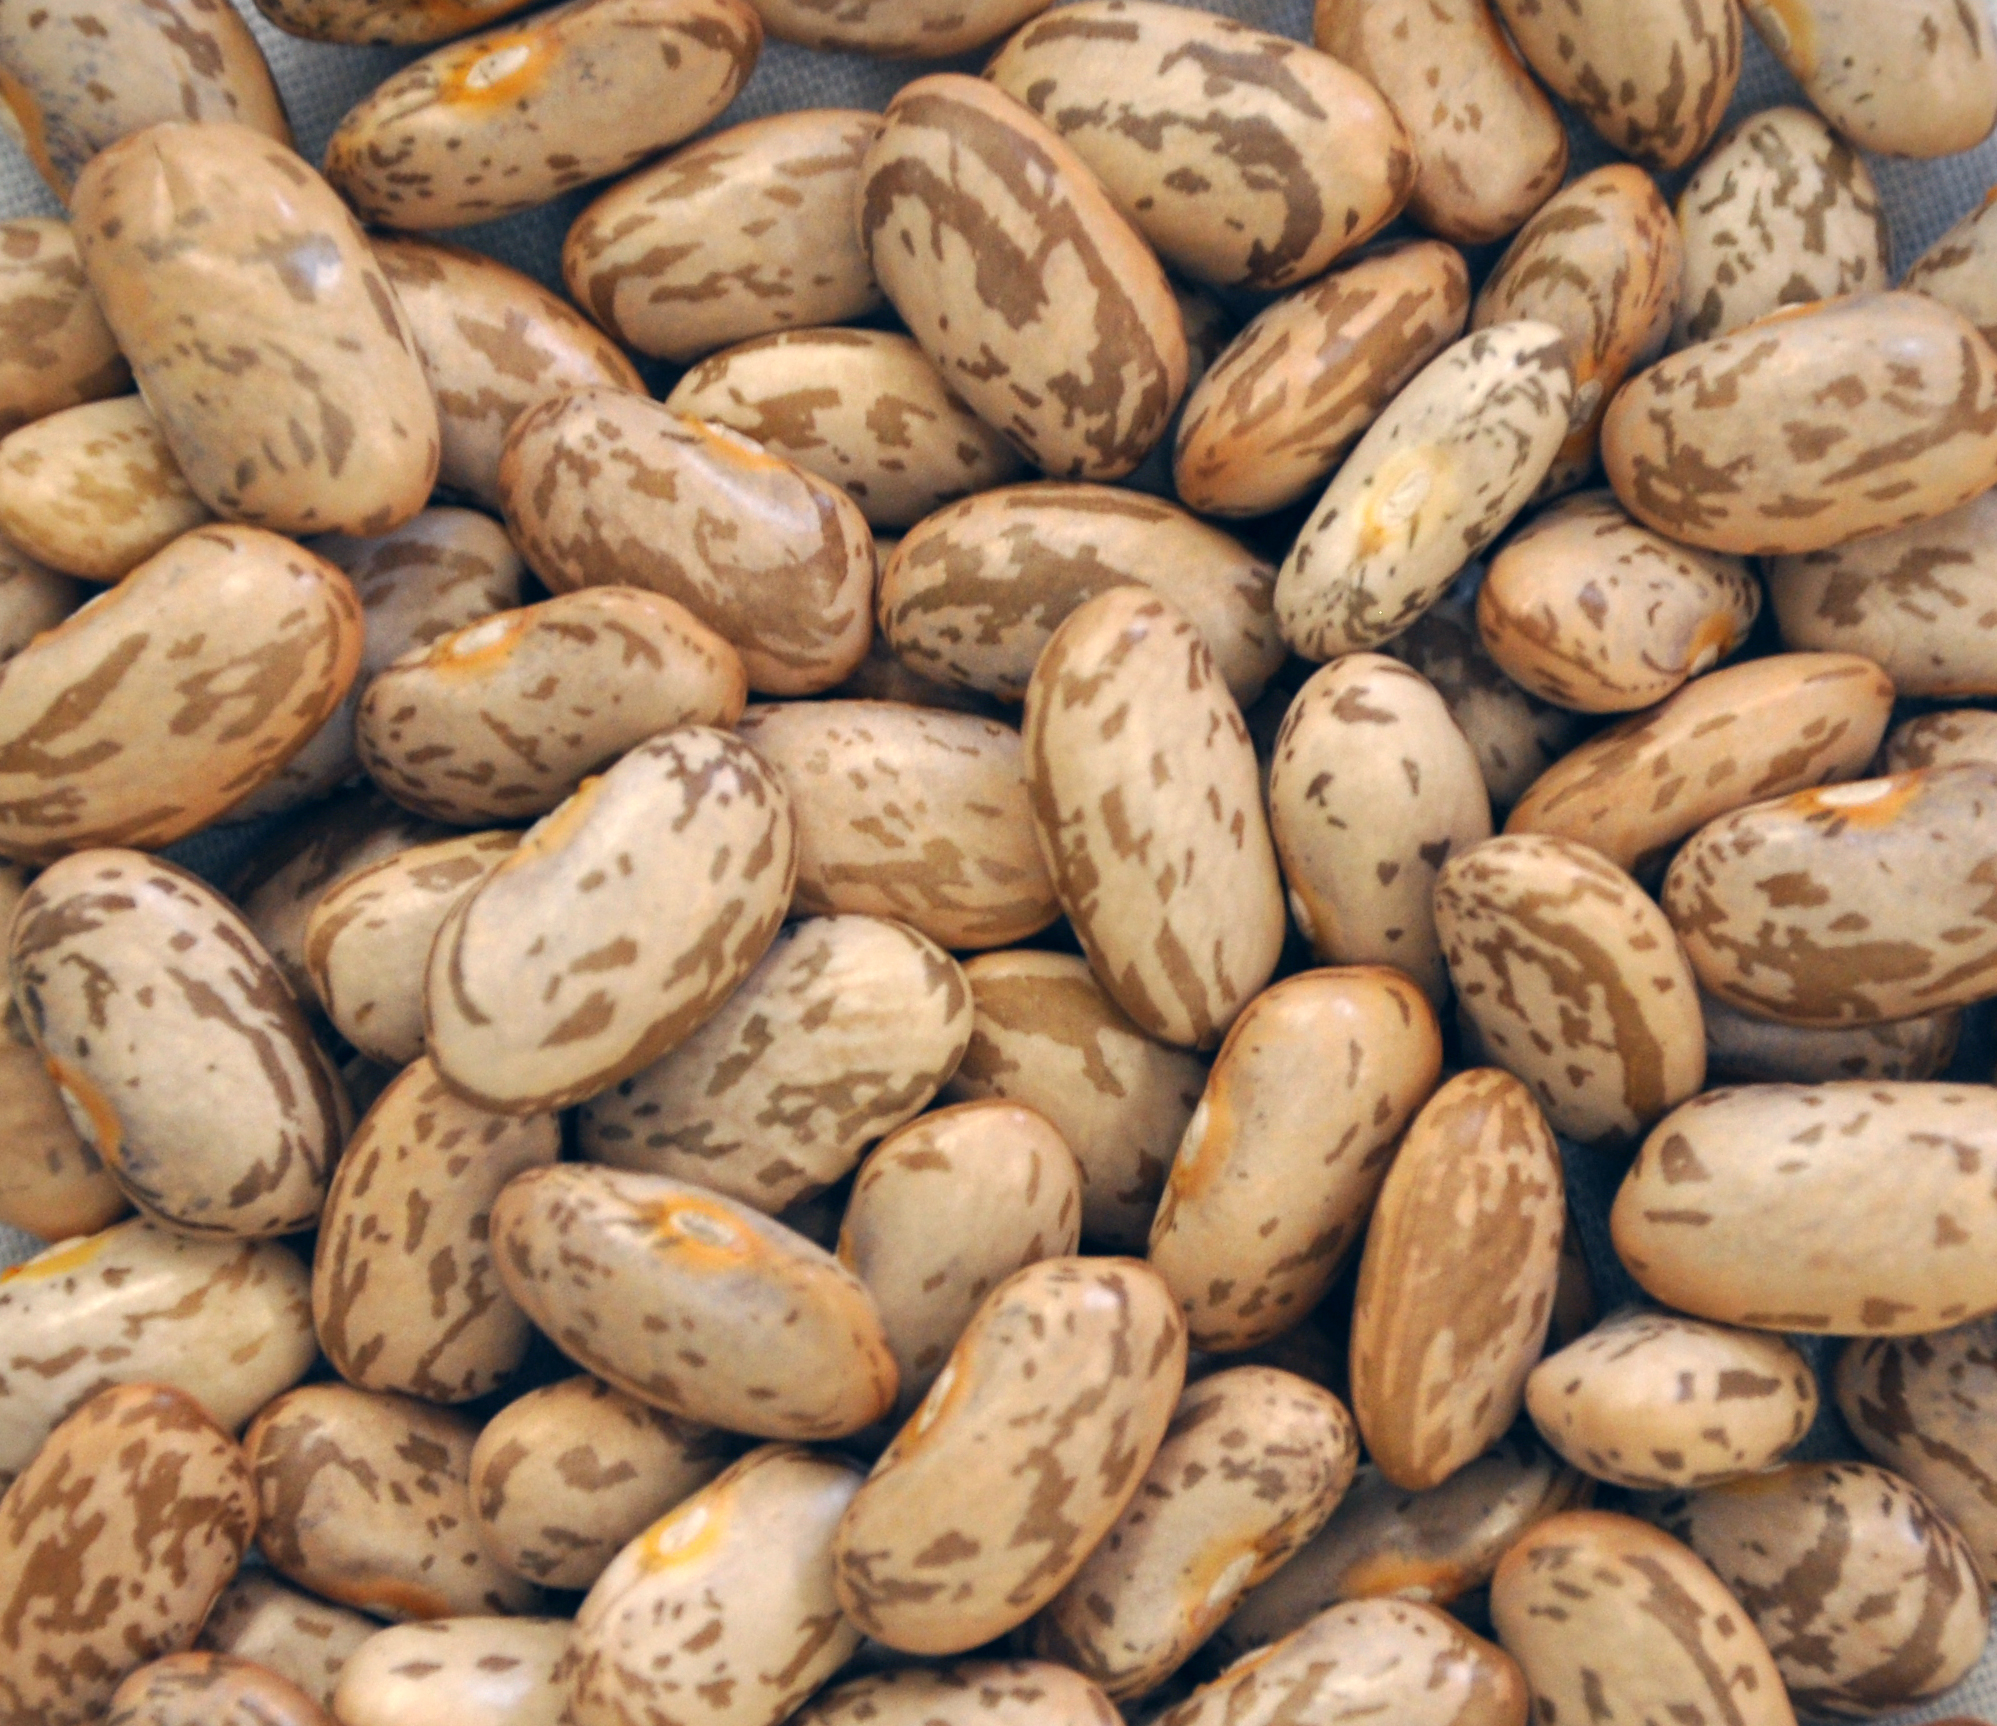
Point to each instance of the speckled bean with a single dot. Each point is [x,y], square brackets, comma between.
[1456,1282]
[183,1059]
[400,23]
[1940,740]
[202,244]
[1959,270]
[972,1693]
[228,1322]
[113,1544]
[1860,1208]
[694,1303]
[32,599]
[846,1029]
[1028,290]
[363,1500]
[210,1689]
[58,349]
[1734,737]
[1063,1384]
[1281,1162]
[470,1671]
[508,119]
[1742,1049]
[1444,468]
[308,1641]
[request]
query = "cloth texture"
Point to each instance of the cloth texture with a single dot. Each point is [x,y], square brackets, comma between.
[320,82]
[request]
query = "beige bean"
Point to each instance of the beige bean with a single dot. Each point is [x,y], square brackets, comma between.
[1047,1034]
[1159,101]
[1432,1547]
[912,814]
[971,1693]
[1574,981]
[211,1689]
[440,570]
[1601,262]
[201,243]
[1917,79]
[52,1184]
[1388,1659]
[1742,1049]
[1282,1160]
[183,1059]
[493,343]
[32,600]
[1867,1596]
[693,1303]
[1587,609]
[1866,442]
[745,232]
[1853,905]
[972,594]
[113,1544]
[1132,742]
[1516,736]
[1252,1464]
[511,118]
[288,1632]
[946,1208]
[1456,1282]
[1940,740]
[1279,408]
[567,1475]
[1594,1605]
[404,1293]
[1653,77]
[228,1322]
[1925,1406]
[384,22]
[164,721]
[1959,271]
[845,1029]
[1781,212]
[285,878]
[1063,1385]
[1449,462]
[608,488]
[926,30]
[1371,790]
[651,893]
[93,490]
[367,941]
[505,718]
[76,76]
[1658,1403]
[469,1671]
[362,1499]
[59,351]
[1490,147]
[862,409]
[1856,1207]
[1735,737]
[751,1555]
[1914,601]
[1028,290]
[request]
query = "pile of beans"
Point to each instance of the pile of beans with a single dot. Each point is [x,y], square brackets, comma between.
[875,1079]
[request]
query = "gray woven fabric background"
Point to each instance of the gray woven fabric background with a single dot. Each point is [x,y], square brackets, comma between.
[321,82]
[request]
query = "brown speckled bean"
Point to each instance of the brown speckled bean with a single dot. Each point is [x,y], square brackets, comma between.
[59,350]
[1045,1033]
[113,1544]
[470,1671]
[846,1029]
[1281,1161]
[397,22]
[973,1693]
[1028,290]
[1940,740]
[1959,270]
[210,1689]
[228,1322]
[1859,1208]
[363,1500]
[32,600]
[694,1303]
[567,1475]
[308,1641]
[1742,1049]
[508,119]
[184,1060]
[1868,1598]
[1456,1283]
[896,29]
[1019,1460]
[202,243]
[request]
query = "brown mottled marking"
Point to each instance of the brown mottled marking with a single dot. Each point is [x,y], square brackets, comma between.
[1959,271]
[55,348]
[473,1671]
[210,1689]
[1744,1049]
[308,1641]
[970,1693]
[509,119]
[383,22]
